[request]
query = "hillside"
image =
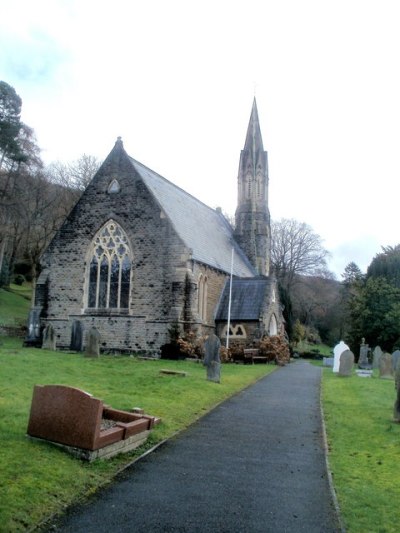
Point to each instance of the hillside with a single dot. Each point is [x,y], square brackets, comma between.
[15,303]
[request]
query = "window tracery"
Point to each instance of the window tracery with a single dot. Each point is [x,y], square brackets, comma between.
[238,331]
[110,269]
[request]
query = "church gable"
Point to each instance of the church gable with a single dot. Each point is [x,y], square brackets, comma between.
[116,255]
[138,256]
[254,309]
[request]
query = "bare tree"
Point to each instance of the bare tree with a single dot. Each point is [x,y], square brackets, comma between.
[296,250]
[76,175]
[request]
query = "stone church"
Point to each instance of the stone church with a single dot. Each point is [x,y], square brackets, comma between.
[138,256]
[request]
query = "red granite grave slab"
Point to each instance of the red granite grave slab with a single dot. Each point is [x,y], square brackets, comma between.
[75,419]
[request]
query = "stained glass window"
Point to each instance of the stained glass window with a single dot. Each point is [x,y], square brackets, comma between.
[110,269]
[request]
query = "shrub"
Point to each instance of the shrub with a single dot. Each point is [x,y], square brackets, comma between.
[19,279]
[276,349]
[182,346]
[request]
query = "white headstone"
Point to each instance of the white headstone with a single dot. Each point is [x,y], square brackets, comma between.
[337,352]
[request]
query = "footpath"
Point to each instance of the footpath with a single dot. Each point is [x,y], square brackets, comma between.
[255,464]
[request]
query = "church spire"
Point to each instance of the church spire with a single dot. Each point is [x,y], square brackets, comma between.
[254,141]
[252,213]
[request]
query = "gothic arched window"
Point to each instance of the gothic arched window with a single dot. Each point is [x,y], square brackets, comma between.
[273,326]
[109,269]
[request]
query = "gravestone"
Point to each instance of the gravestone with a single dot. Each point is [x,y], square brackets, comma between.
[346,363]
[212,359]
[364,373]
[396,408]
[377,354]
[328,361]
[93,343]
[49,338]
[363,362]
[337,352]
[385,366]
[34,335]
[76,336]
[395,360]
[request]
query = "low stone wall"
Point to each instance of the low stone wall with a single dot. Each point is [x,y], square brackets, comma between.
[12,331]
[118,334]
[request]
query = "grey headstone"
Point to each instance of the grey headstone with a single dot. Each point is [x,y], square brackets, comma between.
[328,361]
[396,408]
[212,359]
[363,358]
[377,354]
[395,360]
[76,336]
[49,338]
[337,352]
[93,343]
[346,363]
[385,366]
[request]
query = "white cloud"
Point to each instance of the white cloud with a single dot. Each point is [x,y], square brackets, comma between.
[176,80]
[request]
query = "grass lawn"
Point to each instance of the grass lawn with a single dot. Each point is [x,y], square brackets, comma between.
[364,453]
[304,347]
[37,479]
[15,304]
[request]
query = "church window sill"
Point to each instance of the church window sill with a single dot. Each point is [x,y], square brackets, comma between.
[106,312]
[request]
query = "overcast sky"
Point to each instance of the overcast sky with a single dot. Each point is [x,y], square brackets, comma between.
[176,80]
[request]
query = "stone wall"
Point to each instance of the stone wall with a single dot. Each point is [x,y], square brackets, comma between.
[161,262]
[215,283]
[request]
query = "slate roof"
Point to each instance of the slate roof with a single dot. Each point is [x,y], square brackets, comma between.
[204,230]
[248,299]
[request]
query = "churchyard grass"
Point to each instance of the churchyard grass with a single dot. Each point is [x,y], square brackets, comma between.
[307,348]
[364,450]
[37,479]
[15,304]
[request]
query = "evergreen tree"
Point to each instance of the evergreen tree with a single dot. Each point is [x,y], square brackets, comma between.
[10,124]
[374,303]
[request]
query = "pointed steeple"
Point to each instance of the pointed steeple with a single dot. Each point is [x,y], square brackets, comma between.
[254,141]
[252,213]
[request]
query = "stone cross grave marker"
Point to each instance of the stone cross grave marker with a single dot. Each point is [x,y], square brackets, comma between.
[363,358]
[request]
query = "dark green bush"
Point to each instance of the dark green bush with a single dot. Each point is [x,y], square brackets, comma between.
[19,279]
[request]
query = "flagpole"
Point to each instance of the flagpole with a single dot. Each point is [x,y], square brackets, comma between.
[229,304]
